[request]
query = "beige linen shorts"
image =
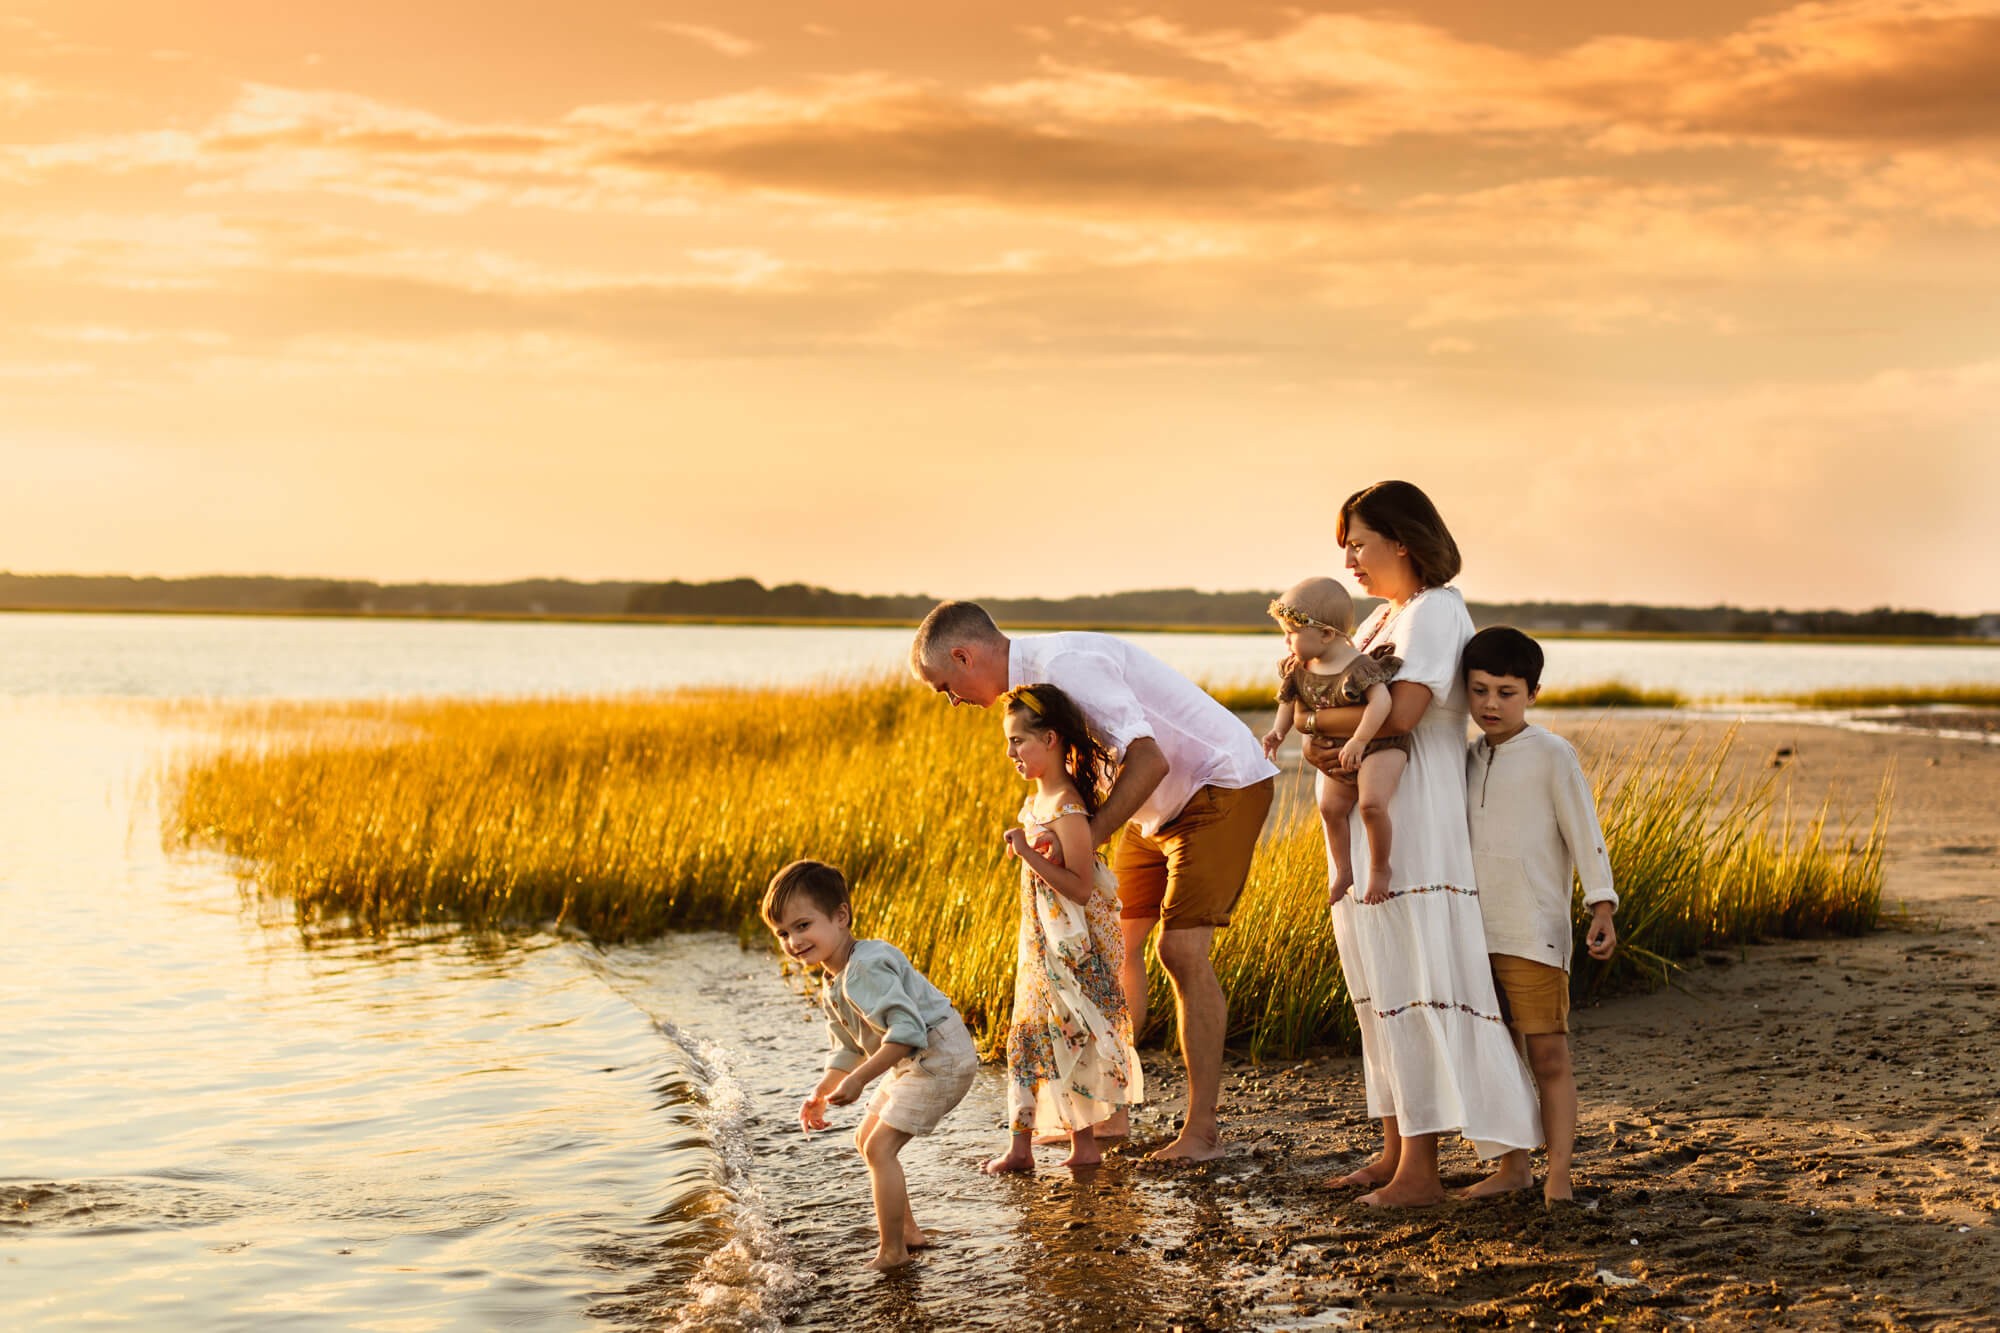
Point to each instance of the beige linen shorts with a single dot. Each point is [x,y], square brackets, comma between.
[917,1092]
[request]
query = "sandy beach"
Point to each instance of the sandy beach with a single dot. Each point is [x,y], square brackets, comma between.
[1796,1134]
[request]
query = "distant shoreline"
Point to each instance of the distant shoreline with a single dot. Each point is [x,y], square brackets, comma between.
[871,622]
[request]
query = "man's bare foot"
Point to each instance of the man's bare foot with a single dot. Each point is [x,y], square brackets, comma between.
[1506,1180]
[1189,1147]
[1393,1195]
[888,1257]
[1378,885]
[1009,1161]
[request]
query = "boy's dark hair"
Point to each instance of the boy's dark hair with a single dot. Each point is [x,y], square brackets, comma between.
[1502,650]
[1403,513]
[823,886]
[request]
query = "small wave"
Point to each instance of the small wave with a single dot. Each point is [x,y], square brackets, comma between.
[748,1283]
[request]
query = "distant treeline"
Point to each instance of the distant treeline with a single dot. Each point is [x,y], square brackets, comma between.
[751,600]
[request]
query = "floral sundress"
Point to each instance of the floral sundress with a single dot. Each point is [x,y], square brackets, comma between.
[1070,1058]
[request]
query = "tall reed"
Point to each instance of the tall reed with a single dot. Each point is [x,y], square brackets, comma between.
[631,816]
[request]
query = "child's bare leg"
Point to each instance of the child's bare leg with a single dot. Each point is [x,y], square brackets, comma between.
[1083,1149]
[893,1222]
[1336,803]
[1375,785]
[1020,1156]
[1555,1081]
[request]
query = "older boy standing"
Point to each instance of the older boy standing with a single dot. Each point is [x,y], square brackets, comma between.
[1191,779]
[1534,831]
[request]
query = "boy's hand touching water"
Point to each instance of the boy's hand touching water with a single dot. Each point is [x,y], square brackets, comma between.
[812,1113]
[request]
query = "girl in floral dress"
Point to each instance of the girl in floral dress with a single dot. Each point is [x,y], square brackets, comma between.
[1071,1063]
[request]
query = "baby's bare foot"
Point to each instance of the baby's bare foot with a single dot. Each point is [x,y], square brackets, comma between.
[1378,885]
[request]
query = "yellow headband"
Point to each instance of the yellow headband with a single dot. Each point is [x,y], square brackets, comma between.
[1278,610]
[1027,696]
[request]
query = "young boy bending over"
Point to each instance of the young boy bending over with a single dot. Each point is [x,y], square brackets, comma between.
[1534,832]
[882,1016]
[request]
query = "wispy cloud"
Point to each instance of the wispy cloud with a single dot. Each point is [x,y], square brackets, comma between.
[715,39]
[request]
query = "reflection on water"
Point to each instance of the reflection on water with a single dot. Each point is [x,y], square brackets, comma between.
[211,1120]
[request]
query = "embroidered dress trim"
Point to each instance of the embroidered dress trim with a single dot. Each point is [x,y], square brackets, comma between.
[1448,1006]
[1429,888]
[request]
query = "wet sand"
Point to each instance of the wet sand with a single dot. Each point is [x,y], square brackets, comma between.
[1798,1134]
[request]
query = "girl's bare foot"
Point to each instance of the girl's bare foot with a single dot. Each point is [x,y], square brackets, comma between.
[1557,1191]
[913,1239]
[1014,1159]
[1083,1150]
[889,1256]
[1116,1126]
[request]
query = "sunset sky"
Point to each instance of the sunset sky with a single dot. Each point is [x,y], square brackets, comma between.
[1696,304]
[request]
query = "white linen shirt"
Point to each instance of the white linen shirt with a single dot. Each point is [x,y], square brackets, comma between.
[1534,829]
[1126,693]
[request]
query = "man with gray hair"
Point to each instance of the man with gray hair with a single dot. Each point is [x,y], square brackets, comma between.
[1192,780]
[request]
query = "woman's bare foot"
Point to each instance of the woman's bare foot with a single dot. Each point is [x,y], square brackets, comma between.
[1372,1176]
[1393,1195]
[888,1257]
[1503,1181]
[1014,1159]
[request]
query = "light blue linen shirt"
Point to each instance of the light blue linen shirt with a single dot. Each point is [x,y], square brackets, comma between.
[878,997]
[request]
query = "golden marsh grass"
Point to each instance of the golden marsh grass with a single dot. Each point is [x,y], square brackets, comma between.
[632,816]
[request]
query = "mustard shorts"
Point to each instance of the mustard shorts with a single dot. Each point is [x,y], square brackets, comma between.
[1192,871]
[1534,997]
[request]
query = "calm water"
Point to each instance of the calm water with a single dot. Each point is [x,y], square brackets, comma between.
[213,1120]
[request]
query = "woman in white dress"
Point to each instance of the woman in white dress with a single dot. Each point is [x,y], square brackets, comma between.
[1435,1054]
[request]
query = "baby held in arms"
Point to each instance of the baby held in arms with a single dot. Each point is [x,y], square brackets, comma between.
[1324,669]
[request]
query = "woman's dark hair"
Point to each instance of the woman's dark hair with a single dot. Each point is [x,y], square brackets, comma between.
[1048,709]
[1502,650]
[821,885]
[1402,513]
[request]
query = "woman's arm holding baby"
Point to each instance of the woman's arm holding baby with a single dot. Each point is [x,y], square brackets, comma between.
[1408,702]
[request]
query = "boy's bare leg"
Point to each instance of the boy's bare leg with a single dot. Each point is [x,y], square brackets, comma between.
[1380,1171]
[1336,803]
[893,1223]
[1375,784]
[1204,1017]
[1020,1156]
[1555,1081]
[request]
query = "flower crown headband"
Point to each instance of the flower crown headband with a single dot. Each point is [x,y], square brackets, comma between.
[1291,615]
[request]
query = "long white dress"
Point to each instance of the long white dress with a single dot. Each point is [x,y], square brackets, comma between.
[1435,1053]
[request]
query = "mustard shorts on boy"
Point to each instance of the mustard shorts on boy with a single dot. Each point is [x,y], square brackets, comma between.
[1534,997]
[1191,872]
[917,1092]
